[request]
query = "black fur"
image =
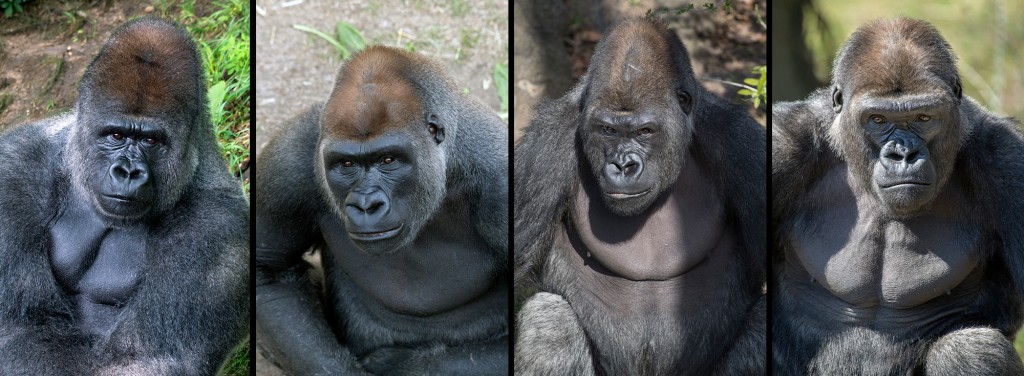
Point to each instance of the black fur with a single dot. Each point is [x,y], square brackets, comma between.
[342,327]
[189,307]
[562,329]
[969,329]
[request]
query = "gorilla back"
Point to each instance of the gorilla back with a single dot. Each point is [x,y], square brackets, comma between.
[647,237]
[123,241]
[898,244]
[410,213]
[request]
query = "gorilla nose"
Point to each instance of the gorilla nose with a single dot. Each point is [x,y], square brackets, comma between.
[129,175]
[896,154]
[366,206]
[628,167]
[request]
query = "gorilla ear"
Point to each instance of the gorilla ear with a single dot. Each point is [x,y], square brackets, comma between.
[958,89]
[435,129]
[837,99]
[685,101]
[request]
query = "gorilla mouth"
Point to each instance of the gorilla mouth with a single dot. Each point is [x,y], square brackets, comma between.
[623,196]
[122,198]
[369,236]
[904,184]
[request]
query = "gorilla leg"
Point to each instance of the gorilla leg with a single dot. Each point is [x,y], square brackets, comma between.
[973,351]
[747,356]
[550,339]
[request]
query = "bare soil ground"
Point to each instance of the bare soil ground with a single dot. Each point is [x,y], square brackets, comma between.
[45,49]
[295,69]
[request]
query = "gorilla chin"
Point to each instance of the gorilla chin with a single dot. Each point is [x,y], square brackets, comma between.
[907,199]
[122,207]
[380,242]
[628,204]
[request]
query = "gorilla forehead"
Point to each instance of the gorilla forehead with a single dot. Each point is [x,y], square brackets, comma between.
[895,56]
[374,94]
[633,65]
[139,54]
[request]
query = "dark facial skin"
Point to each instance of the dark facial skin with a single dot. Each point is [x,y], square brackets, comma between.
[124,189]
[373,182]
[632,153]
[901,133]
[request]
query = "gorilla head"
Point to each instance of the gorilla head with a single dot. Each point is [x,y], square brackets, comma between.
[637,115]
[897,95]
[131,150]
[381,157]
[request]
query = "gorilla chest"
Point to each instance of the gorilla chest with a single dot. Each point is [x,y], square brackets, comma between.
[675,234]
[866,259]
[98,266]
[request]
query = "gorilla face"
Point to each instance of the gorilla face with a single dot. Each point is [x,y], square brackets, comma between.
[636,155]
[383,188]
[125,188]
[127,163]
[906,137]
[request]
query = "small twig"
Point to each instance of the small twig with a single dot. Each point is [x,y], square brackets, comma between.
[729,83]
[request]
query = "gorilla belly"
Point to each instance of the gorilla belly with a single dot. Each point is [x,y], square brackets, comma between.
[865,259]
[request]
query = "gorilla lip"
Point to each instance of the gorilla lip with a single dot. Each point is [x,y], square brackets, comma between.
[620,196]
[905,184]
[375,235]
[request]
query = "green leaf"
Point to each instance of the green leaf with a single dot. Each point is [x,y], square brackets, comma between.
[341,49]
[215,97]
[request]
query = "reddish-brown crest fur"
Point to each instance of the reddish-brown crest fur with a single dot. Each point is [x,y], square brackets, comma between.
[373,95]
[148,67]
[639,65]
[896,56]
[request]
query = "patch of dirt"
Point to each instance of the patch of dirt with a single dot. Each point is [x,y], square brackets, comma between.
[44,51]
[294,69]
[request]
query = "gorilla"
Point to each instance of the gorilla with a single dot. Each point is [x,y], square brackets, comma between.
[897,236]
[640,221]
[124,241]
[401,183]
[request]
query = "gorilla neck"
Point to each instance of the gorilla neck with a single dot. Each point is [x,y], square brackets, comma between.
[672,236]
[97,265]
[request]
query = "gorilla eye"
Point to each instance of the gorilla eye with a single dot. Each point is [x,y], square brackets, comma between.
[645,131]
[609,130]
[347,163]
[923,118]
[117,136]
[388,160]
[149,141]
[877,119]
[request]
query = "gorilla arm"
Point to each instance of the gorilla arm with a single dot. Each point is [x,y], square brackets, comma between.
[37,334]
[745,203]
[994,156]
[545,176]
[303,342]
[797,146]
